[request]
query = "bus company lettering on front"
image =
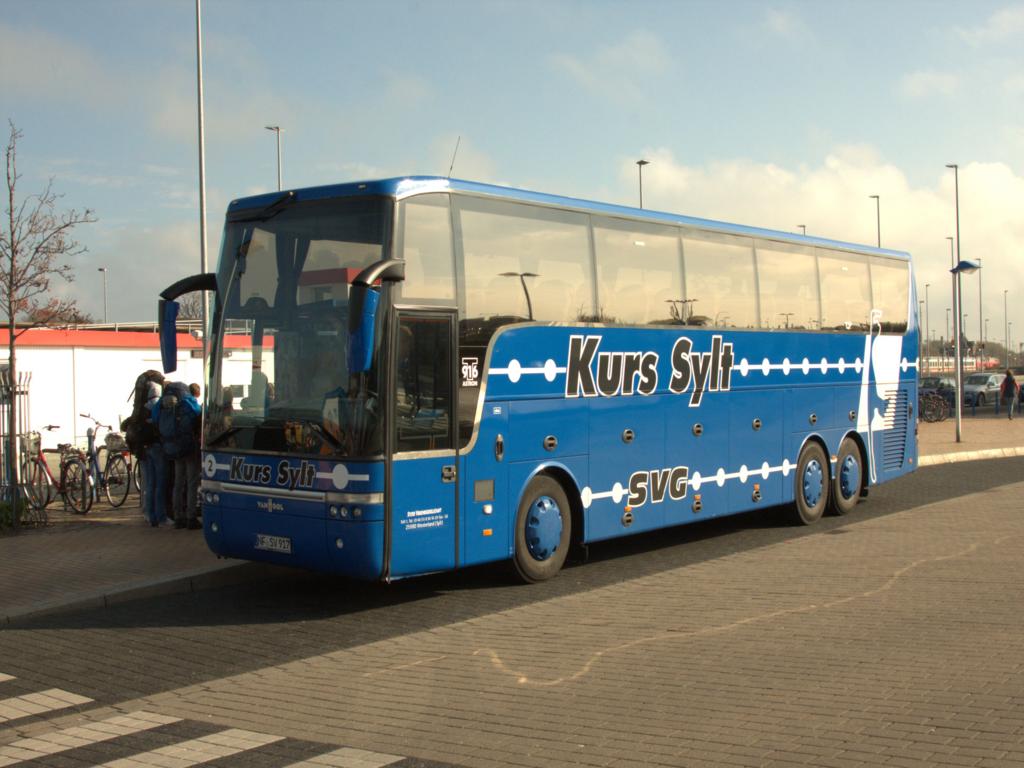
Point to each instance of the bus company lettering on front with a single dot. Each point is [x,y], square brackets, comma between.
[302,476]
[625,373]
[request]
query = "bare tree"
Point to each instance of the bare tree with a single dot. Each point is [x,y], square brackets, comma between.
[191,307]
[34,248]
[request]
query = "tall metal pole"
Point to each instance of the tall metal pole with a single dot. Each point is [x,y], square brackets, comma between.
[277,130]
[981,327]
[878,218]
[640,170]
[202,179]
[104,271]
[952,258]
[957,309]
[803,229]
[927,329]
[1006,329]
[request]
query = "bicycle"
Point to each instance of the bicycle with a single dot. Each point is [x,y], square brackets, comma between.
[933,407]
[72,482]
[114,479]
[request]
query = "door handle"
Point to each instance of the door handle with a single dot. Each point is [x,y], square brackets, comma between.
[448,473]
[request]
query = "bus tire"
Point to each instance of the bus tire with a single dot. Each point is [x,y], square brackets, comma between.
[812,484]
[848,479]
[543,530]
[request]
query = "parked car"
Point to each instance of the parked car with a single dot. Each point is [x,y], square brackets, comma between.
[982,388]
[945,386]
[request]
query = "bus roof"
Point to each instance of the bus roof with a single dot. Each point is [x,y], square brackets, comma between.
[407,186]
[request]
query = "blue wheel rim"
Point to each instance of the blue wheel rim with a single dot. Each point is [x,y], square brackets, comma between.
[813,483]
[543,528]
[849,477]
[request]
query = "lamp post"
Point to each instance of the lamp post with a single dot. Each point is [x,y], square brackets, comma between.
[947,332]
[202,177]
[1006,329]
[952,258]
[920,338]
[961,267]
[522,280]
[277,130]
[927,328]
[981,328]
[803,229]
[878,217]
[104,271]
[640,171]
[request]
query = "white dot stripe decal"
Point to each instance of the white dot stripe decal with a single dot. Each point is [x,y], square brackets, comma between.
[515,371]
[719,477]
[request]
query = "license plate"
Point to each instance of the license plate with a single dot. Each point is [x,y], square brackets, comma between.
[274,543]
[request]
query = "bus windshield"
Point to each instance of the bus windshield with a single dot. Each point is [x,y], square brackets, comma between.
[280,379]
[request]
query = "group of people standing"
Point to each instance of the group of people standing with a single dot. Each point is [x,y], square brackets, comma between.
[168,444]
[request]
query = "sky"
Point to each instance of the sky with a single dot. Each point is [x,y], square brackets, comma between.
[767,114]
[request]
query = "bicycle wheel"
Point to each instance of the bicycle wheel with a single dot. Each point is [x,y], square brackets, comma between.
[37,484]
[118,481]
[75,482]
[137,474]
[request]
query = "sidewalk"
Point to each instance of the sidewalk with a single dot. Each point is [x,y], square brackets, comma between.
[112,555]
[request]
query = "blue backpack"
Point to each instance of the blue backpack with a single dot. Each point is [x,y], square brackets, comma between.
[176,422]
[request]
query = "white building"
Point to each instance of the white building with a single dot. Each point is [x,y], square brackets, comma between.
[94,372]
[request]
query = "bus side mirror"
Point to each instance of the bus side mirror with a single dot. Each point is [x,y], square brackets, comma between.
[168,321]
[167,314]
[362,319]
[363,301]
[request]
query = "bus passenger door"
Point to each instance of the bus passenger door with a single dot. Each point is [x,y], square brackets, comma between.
[424,481]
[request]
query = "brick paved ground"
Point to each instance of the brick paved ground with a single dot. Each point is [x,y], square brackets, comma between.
[111,554]
[896,641]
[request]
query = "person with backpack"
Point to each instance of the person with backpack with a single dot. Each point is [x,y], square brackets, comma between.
[143,441]
[175,415]
[1008,392]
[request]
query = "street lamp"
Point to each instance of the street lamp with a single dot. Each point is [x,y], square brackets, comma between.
[963,267]
[522,279]
[640,170]
[927,329]
[1006,329]
[104,271]
[277,130]
[878,217]
[803,229]
[952,258]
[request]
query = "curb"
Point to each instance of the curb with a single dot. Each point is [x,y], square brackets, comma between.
[230,573]
[954,458]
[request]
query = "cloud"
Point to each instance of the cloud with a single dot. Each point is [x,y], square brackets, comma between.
[618,71]
[786,24]
[926,83]
[1006,24]
[37,65]
[831,198]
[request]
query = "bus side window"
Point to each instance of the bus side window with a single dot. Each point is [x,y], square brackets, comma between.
[426,245]
[890,288]
[719,274]
[845,291]
[423,404]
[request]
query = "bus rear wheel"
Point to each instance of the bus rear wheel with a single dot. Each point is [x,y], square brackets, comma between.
[848,478]
[543,530]
[812,484]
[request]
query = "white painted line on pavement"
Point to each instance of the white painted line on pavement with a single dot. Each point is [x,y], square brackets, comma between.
[348,757]
[81,736]
[197,751]
[37,703]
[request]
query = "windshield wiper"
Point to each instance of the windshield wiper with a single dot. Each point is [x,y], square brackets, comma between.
[323,433]
[220,436]
[269,211]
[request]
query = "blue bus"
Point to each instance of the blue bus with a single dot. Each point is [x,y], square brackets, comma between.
[418,374]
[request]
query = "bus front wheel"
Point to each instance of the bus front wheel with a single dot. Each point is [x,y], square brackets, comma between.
[848,478]
[812,484]
[543,530]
